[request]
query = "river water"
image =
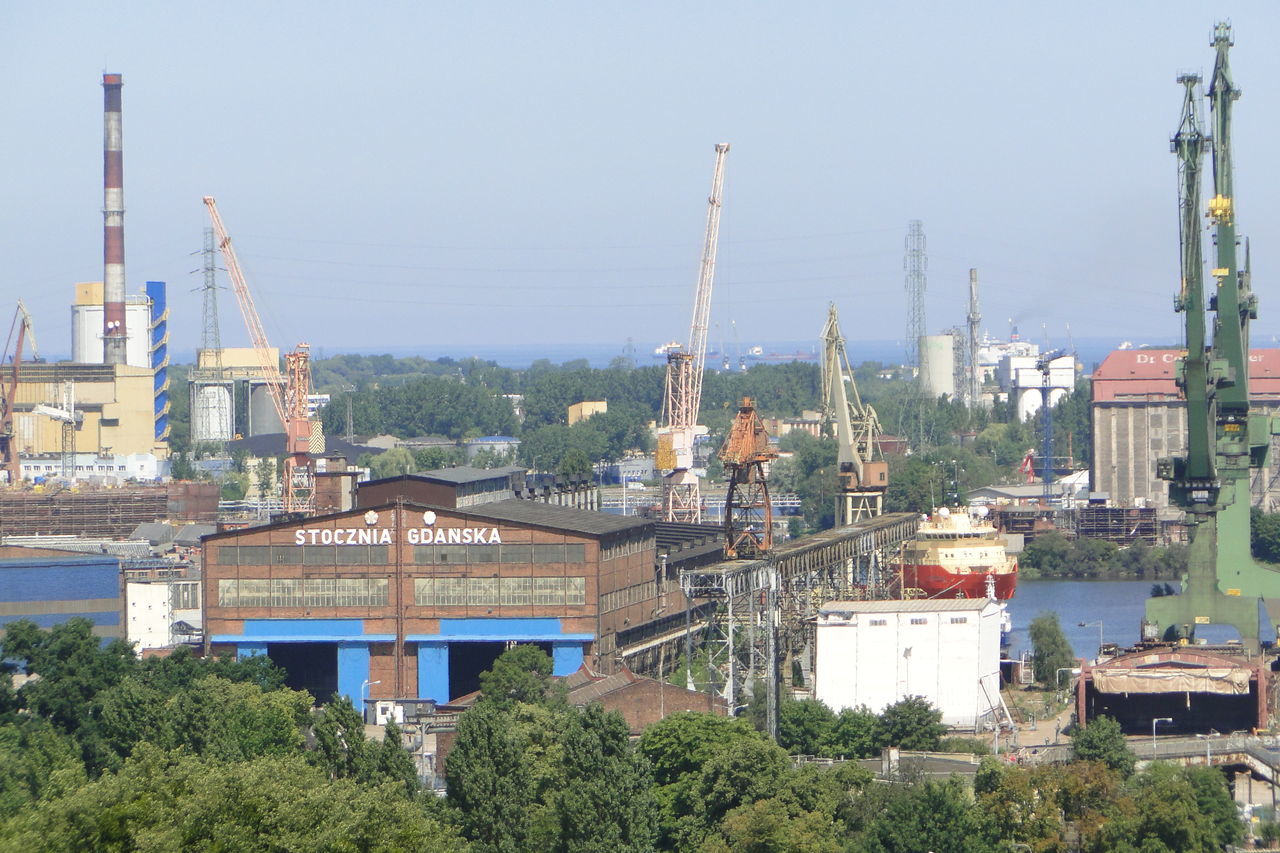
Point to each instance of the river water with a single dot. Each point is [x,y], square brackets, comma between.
[1117,604]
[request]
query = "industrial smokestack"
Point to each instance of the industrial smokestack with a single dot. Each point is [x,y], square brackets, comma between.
[113,328]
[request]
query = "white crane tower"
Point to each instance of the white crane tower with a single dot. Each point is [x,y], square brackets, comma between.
[863,476]
[681,494]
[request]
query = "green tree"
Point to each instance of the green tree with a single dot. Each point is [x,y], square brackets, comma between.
[520,674]
[176,801]
[36,760]
[73,664]
[911,723]
[1048,554]
[1159,814]
[605,801]
[1050,647]
[804,726]
[1214,800]
[855,734]
[1265,535]
[929,816]
[1103,741]
[391,463]
[773,826]
[489,781]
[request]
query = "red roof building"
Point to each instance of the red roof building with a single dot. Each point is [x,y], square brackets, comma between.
[1139,416]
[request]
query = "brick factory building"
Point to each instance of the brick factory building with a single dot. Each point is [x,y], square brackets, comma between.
[416,590]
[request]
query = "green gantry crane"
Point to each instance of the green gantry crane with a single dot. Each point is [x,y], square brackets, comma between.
[1223,584]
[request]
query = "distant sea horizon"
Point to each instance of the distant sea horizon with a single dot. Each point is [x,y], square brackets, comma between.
[1090,351]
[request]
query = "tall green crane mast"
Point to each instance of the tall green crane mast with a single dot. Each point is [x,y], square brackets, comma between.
[1223,584]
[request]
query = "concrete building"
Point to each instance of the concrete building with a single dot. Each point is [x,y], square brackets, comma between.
[115,404]
[1026,384]
[938,365]
[1139,416]
[162,607]
[876,653]
[422,585]
[585,409]
[100,469]
[503,445]
[49,587]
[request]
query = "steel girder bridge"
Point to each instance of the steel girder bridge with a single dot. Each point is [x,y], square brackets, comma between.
[764,606]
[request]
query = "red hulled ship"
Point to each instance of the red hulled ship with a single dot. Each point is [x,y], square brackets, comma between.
[958,554]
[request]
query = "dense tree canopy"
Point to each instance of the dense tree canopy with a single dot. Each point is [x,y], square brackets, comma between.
[183,753]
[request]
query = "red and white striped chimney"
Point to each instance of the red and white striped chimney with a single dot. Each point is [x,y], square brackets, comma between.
[113,329]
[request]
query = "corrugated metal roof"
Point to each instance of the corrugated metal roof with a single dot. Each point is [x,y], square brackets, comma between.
[541,514]
[456,476]
[915,605]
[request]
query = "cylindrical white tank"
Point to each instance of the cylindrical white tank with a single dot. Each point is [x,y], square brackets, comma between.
[263,419]
[937,364]
[86,333]
[211,413]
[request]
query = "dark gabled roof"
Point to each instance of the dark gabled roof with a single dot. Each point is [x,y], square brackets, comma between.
[539,514]
[155,532]
[514,510]
[272,444]
[453,476]
[190,536]
[467,474]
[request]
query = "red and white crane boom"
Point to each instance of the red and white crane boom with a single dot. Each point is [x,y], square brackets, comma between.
[681,494]
[289,397]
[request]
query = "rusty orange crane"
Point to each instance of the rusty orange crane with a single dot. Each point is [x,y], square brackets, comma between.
[748,512]
[289,396]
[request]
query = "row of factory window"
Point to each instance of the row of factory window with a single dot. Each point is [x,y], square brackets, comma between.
[378,555]
[632,545]
[499,592]
[300,592]
[919,620]
[635,594]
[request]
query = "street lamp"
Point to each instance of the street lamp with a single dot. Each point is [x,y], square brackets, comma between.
[1208,751]
[1090,625]
[1154,721]
[364,687]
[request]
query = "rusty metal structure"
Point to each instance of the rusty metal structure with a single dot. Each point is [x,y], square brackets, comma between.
[114,334]
[748,514]
[289,398]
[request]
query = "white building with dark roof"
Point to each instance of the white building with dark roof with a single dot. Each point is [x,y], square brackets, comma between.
[876,653]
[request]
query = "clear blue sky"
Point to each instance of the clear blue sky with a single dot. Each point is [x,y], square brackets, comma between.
[461,174]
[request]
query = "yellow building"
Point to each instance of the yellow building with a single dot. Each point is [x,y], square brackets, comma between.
[587,408]
[115,405]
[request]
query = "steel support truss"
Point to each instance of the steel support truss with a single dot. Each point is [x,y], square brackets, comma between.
[764,609]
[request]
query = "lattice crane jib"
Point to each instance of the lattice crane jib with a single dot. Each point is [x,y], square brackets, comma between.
[682,500]
[862,472]
[289,396]
[21,333]
[1223,584]
[748,512]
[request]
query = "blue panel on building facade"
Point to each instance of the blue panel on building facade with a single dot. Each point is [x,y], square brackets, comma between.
[353,671]
[104,618]
[498,627]
[333,628]
[433,671]
[566,658]
[74,579]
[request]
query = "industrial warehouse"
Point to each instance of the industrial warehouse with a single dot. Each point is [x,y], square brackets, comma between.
[428,579]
